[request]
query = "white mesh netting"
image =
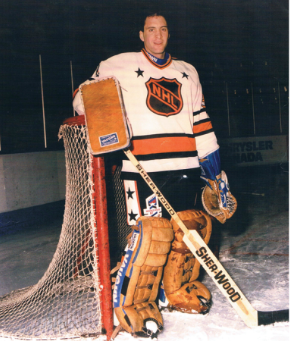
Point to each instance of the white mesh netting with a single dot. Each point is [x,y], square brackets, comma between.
[65,302]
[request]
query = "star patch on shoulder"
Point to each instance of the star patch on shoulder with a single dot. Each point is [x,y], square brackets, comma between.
[184,75]
[139,72]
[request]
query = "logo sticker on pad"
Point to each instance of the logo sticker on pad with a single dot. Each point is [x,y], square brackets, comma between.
[153,209]
[108,140]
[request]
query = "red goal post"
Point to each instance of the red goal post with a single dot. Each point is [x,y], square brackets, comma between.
[101,235]
[73,299]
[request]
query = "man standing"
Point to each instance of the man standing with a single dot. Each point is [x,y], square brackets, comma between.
[170,126]
[173,139]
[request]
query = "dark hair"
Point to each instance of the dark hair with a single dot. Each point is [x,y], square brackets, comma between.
[151,14]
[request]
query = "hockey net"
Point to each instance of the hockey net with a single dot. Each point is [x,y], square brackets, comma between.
[73,298]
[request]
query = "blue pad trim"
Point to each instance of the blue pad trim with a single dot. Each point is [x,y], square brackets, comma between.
[126,269]
[210,165]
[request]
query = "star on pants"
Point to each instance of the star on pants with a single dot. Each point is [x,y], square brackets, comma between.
[130,193]
[132,216]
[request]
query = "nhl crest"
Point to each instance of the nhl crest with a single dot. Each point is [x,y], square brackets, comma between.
[164,96]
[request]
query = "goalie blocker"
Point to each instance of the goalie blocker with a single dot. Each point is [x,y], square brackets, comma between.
[106,122]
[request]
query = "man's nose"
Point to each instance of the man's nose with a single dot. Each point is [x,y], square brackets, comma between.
[158,33]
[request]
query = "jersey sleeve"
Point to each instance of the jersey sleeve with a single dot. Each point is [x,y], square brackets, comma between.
[206,141]
[77,102]
[104,69]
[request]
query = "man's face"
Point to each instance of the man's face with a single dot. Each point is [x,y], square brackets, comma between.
[155,36]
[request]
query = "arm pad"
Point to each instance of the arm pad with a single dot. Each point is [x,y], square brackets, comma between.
[210,166]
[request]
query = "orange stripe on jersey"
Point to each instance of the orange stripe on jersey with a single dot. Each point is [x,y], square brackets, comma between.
[163,145]
[199,128]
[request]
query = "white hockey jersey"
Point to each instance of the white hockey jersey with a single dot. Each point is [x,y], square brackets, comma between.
[164,104]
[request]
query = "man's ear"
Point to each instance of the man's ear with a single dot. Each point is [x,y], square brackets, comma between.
[141,35]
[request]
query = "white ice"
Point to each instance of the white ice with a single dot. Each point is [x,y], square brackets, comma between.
[262,278]
[254,249]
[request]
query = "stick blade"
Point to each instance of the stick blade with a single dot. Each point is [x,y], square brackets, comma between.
[270,317]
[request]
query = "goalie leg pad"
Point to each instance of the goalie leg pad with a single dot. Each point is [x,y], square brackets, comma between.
[138,278]
[134,319]
[182,290]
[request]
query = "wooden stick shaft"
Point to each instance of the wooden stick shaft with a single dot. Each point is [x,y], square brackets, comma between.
[204,255]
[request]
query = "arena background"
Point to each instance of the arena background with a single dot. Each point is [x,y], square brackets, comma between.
[240,49]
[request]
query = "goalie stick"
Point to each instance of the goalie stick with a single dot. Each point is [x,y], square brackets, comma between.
[212,266]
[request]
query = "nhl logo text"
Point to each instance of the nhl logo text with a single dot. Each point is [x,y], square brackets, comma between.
[164,96]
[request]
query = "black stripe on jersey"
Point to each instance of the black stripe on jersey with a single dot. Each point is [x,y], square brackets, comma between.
[204,132]
[155,136]
[202,121]
[199,111]
[193,173]
[160,156]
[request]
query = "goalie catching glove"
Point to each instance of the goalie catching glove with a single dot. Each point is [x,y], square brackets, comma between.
[216,197]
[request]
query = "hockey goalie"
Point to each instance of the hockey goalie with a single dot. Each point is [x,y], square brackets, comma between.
[152,105]
[156,255]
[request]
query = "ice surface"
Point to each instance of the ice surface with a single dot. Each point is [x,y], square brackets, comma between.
[254,249]
[259,266]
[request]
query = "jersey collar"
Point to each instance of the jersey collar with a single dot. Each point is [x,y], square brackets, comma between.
[160,63]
